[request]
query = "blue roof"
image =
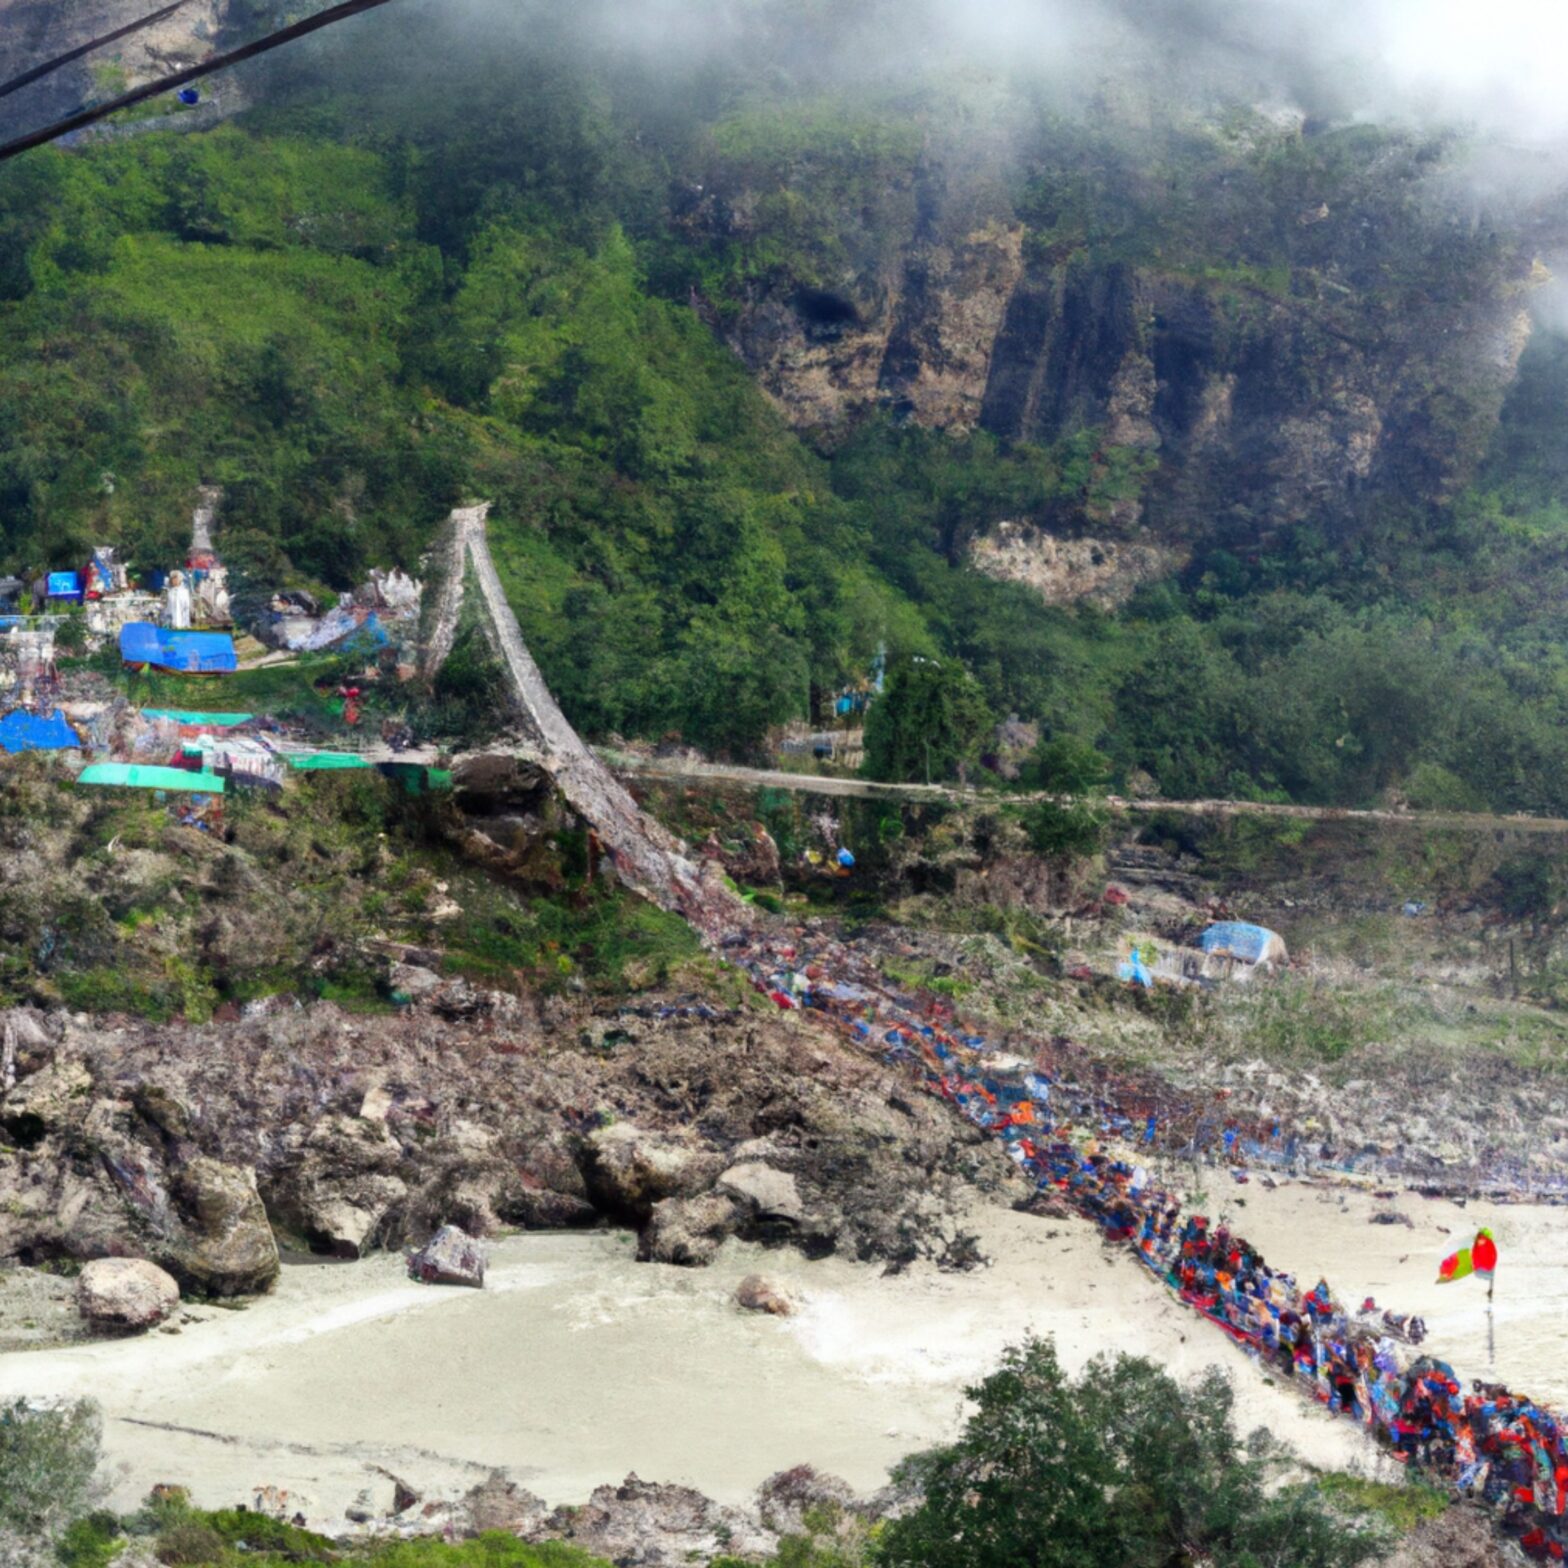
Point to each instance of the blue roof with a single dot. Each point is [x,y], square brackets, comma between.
[24,731]
[1237,939]
[189,653]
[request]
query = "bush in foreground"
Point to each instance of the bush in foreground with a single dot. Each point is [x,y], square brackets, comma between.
[48,1462]
[1121,1467]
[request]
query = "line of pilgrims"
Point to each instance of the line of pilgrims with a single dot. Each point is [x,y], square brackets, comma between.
[1485,1442]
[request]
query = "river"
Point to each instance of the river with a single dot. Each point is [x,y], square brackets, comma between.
[576,1364]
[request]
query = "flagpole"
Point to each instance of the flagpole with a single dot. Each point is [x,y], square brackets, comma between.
[1491,1342]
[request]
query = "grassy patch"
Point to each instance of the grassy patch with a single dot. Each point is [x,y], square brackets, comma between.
[1403,1504]
[605,937]
[1296,1019]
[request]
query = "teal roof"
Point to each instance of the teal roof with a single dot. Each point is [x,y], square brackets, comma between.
[125,775]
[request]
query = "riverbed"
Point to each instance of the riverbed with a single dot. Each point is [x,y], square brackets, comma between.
[576,1364]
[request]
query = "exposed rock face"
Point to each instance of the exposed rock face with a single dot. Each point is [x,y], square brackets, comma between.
[1248,398]
[920,343]
[1257,401]
[1105,572]
[450,1257]
[36,30]
[641,1524]
[166,1142]
[108,1173]
[120,1293]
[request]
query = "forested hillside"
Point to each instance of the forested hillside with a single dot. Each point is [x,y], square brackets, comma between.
[751,352]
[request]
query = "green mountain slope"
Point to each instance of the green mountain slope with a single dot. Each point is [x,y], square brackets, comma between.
[750,359]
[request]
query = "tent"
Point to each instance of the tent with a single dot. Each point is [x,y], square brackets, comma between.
[186,653]
[124,775]
[326,761]
[1247,944]
[214,721]
[24,731]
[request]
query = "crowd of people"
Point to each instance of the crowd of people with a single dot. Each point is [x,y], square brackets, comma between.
[1086,1151]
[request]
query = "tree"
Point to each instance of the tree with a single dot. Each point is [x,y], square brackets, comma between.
[1122,1468]
[1075,824]
[48,1465]
[929,724]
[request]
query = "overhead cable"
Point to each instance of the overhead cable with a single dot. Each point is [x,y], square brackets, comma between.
[218,62]
[17,83]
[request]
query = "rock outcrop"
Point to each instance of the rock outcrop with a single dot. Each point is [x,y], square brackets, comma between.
[642,1524]
[35,30]
[125,1293]
[1216,397]
[186,1144]
[1103,572]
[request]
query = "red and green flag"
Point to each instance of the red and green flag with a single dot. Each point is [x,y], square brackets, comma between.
[1479,1258]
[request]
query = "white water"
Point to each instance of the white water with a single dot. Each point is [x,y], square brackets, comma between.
[576,1364]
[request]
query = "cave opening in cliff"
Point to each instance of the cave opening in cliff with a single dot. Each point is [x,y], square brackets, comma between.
[823,308]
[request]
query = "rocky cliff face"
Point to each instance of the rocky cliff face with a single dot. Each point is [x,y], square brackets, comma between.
[1369,363]
[192,1144]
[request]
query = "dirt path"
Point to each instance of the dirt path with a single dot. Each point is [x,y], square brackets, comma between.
[720,774]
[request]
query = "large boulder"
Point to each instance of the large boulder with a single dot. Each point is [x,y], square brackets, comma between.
[450,1257]
[771,1195]
[757,1294]
[688,1231]
[224,1245]
[125,1293]
[630,1169]
[342,1194]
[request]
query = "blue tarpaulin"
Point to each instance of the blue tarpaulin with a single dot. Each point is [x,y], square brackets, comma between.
[367,638]
[1133,968]
[24,731]
[64,585]
[188,653]
[1236,939]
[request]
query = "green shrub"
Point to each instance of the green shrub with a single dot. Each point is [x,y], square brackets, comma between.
[189,1544]
[48,1467]
[1121,1465]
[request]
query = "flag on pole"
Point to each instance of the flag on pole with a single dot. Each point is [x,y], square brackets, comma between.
[1479,1258]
